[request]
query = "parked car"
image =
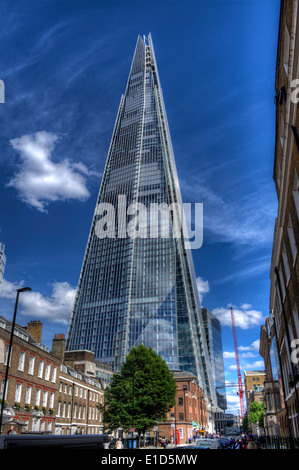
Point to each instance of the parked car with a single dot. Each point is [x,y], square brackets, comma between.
[206,443]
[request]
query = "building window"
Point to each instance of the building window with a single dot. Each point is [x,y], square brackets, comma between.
[286,49]
[37,396]
[47,373]
[69,410]
[51,404]
[59,408]
[31,365]
[63,410]
[286,264]
[75,412]
[76,391]
[172,416]
[181,416]
[28,395]
[6,355]
[54,374]
[180,401]
[292,239]
[18,392]
[45,398]
[21,361]
[281,133]
[40,369]
[295,191]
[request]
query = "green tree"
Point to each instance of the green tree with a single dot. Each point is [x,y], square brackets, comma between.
[245,426]
[256,414]
[142,393]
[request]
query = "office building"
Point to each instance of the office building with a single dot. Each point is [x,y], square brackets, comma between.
[140,289]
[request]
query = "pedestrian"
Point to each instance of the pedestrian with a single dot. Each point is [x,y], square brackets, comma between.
[250,444]
[238,444]
[119,444]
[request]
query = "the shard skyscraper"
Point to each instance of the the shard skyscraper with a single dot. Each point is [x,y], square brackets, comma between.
[136,290]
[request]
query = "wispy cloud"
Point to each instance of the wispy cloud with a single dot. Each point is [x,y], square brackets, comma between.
[55,308]
[245,316]
[38,180]
[249,221]
[257,365]
[202,287]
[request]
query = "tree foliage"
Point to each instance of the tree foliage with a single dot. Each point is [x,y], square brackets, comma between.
[245,424]
[256,414]
[142,393]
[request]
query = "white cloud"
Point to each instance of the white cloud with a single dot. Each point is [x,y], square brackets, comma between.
[39,180]
[56,308]
[255,346]
[202,287]
[245,316]
[9,289]
[228,355]
[252,226]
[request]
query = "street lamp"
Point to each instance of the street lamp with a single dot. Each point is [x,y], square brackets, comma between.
[23,289]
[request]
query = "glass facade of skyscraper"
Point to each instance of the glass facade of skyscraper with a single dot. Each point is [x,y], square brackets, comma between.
[212,328]
[140,289]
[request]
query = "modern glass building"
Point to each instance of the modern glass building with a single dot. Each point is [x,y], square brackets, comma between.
[140,289]
[212,328]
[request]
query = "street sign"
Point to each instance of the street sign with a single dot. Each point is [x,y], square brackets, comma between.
[132,429]
[194,424]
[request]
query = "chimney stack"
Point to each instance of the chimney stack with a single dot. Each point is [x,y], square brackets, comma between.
[58,346]
[35,328]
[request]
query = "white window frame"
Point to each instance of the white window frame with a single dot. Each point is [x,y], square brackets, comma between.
[21,364]
[18,392]
[41,368]
[31,364]
[28,395]
[54,374]
[37,396]
[47,371]
[51,402]
[45,398]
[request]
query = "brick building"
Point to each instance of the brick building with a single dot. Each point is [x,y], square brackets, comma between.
[284,273]
[274,407]
[79,395]
[43,394]
[189,415]
[84,361]
[33,379]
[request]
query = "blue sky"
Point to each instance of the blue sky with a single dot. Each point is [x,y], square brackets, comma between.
[65,65]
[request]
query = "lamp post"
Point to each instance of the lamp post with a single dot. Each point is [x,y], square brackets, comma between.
[23,289]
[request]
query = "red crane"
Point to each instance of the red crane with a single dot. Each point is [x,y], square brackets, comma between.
[240,383]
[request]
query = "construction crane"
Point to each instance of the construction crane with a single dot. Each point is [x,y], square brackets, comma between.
[240,383]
